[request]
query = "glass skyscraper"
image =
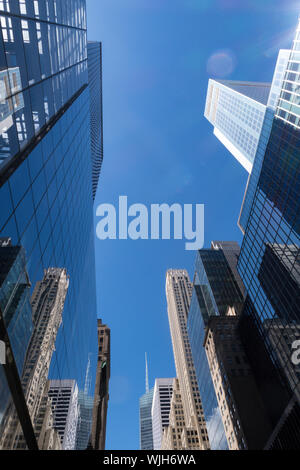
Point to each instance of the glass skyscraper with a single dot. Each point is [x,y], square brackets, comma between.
[269,263]
[146,434]
[237,111]
[216,287]
[46,163]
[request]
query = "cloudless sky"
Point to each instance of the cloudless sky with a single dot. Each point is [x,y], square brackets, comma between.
[158,148]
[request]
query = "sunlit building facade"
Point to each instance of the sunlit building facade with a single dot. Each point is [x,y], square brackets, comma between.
[163,389]
[269,264]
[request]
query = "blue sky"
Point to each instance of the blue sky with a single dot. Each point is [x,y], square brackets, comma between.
[157,58]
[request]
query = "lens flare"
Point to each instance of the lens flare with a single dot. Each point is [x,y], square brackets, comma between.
[221,63]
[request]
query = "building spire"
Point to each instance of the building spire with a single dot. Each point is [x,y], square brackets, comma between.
[147,377]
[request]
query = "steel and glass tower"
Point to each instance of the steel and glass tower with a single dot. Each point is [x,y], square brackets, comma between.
[146,400]
[269,264]
[47,160]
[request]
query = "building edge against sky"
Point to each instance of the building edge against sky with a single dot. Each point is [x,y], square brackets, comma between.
[46,170]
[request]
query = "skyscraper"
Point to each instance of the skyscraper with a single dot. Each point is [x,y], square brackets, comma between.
[64,402]
[46,160]
[269,264]
[85,417]
[47,302]
[16,311]
[237,110]
[101,396]
[179,292]
[145,417]
[94,50]
[162,395]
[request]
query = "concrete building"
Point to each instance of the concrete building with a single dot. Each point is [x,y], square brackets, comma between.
[179,292]
[178,435]
[64,401]
[101,397]
[163,389]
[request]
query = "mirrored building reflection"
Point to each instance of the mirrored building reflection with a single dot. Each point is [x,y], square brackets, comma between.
[46,174]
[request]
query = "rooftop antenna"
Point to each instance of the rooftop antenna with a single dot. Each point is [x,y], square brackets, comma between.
[147,377]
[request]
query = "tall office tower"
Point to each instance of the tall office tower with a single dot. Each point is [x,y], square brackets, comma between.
[243,414]
[46,160]
[101,388]
[64,402]
[179,292]
[160,412]
[47,302]
[146,401]
[269,264]
[94,50]
[85,410]
[237,111]
[217,286]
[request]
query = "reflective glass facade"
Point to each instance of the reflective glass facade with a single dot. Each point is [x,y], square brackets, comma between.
[46,173]
[196,331]
[43,62]
[146,435]
[278,77]
[269,260]
[236,110]
[216,288]
[95,85]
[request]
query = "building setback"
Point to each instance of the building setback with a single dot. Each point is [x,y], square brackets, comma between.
[101,396]
[179,292]
[162,395]
[64,402]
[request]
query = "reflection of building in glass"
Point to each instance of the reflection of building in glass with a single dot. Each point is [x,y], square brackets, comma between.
[47,305]
[85,412]
[279,275]
[10,100]
[269,264]
[244,418]
[48,48]
[101,397]
[46,177]
[64,401]
[163,389]
[85,419]
[15,310]
[179,293]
